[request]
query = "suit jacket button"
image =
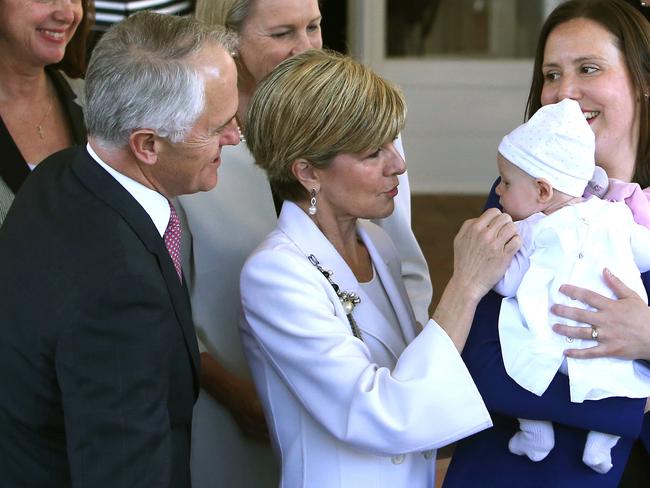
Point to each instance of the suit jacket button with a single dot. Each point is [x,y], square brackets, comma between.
[430,454]
[399,459]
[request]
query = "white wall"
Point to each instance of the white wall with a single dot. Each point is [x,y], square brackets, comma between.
[457,114]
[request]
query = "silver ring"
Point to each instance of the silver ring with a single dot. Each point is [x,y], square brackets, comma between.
[594,333]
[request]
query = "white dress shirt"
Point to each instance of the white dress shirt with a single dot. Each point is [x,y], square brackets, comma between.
[155,204]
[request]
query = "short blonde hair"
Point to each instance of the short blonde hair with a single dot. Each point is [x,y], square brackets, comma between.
[314,106]
[228,13]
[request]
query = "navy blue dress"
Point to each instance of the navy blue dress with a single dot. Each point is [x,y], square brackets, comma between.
[484,459]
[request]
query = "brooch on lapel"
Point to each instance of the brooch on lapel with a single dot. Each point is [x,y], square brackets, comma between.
[348,299]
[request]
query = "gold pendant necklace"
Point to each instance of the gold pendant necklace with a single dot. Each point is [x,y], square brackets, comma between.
[39,126]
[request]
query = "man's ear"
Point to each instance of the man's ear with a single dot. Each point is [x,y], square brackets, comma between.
[306,174]
[544,190]
[144,145]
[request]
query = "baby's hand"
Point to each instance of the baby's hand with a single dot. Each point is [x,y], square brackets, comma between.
[598,184]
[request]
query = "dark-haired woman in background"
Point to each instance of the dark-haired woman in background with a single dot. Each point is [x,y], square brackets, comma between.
[596,52]
[42,48]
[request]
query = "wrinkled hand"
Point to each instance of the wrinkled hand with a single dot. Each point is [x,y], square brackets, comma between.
[483,249]
[246,409]
[623,324]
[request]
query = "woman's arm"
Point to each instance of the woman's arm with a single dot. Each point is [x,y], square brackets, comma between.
[483,249]
[237,394]
[293,321]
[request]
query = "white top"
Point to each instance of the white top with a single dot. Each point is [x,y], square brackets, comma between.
[376,292]
[155,204]
[570,246]
[345,412]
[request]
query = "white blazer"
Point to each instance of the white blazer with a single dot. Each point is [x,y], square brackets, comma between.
[342,412]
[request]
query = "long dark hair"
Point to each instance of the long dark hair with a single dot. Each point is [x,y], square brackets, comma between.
[73,63]
[641,6]
[632,32]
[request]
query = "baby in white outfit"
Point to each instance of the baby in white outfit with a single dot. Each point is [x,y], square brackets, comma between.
[545,165]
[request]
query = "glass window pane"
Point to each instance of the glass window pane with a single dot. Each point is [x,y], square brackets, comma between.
[464,28]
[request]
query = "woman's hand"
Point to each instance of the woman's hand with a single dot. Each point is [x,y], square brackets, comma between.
[237,394]
[622,325]
[483,249]
[246,409]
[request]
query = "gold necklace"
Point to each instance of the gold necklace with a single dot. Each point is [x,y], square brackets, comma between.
[39,126]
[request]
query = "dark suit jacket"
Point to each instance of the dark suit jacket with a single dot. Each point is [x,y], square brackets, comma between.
[484,459]
[98,357]
[13,168]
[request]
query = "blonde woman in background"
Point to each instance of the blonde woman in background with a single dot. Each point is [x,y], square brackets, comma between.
[224,227]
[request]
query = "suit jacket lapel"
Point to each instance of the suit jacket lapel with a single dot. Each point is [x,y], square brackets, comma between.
[310,240]
[13,168]
[112,193]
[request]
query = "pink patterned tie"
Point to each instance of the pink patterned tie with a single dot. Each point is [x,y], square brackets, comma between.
[172,238]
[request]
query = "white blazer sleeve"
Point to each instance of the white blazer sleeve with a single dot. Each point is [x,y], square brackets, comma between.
[415,272]
[293,320]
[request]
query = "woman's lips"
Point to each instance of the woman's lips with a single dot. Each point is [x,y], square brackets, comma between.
[54,35]
[392,193]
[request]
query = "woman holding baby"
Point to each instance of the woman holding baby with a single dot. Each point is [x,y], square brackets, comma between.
[596,52]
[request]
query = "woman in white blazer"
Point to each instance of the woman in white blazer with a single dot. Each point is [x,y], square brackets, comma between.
[355,394]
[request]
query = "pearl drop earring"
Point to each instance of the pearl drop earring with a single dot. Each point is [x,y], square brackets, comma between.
[312,203]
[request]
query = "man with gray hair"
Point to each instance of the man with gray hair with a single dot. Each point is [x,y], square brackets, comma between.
[98,354]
